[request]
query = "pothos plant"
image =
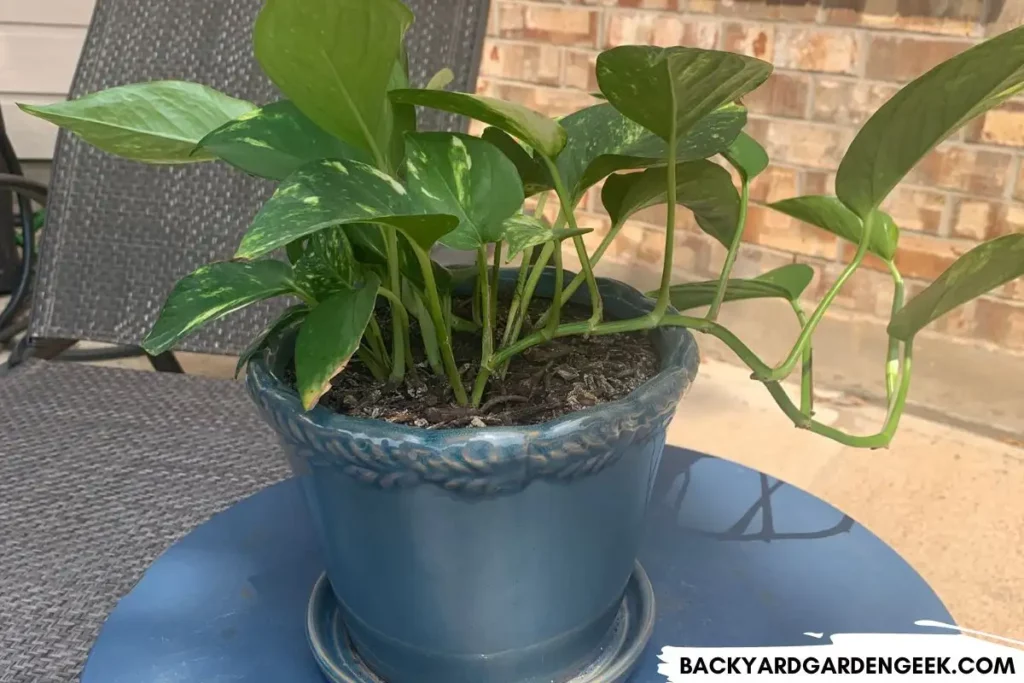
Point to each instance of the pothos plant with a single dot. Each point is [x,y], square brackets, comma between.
[364,196]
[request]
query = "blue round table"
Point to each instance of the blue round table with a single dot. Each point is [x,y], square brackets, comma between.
[736,559]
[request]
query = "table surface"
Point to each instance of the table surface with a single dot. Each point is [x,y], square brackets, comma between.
[736,559]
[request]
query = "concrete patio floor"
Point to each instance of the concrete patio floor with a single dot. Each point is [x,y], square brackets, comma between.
[947,499]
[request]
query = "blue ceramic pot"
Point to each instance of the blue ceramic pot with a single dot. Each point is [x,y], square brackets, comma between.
[493,555]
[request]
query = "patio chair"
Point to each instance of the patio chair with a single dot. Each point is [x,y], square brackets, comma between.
[101,468]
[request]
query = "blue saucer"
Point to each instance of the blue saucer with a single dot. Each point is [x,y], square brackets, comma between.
[613,662]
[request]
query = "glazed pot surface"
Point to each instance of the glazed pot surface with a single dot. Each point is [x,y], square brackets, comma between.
[491,555]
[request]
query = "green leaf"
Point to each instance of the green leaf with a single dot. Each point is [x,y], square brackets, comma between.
[787,282]
[441,80]
[333,59]
[666,88]
[214,291]
[404,115]
[705,188]
[329,337]
[522,231]
[924,113]
[291,316]
[328,264]
[158,123]
[980,270]
[463,176]
[603,141]
[533,128]
[747,156]
[331,192]
[275,141]
[533,174]
[828,213]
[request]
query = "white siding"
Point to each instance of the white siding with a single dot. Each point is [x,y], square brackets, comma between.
[40,41]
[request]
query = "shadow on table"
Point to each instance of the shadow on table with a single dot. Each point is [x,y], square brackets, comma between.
[760,510]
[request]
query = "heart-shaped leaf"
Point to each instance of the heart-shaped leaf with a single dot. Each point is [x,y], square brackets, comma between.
[158,123]
[275,141]
[673,88]
[333,59]
[533,128]
[828,213]
[924,113]
[214,291]
[290,317]
[787,282]
[463,176]
[441,80]
[980,270]
[329,337]
[747,156]
[602,141]
[523,231]
[328,264]
[332,192]
[705,188]
[533,174]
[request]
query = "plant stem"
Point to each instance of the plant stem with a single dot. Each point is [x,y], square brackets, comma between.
[513,309]
[462,325]
[400,318]
[782,370]
[370,360]
[594,260]
[806,367]
[555,310]
[670,222]
[444,340]
[376,341]
[892,359]
[531,285]
[596,305]
[487,343]
[495,282]
[799,419]
[395,280]
[734,247]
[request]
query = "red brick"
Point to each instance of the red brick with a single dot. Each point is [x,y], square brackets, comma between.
[812,49]
[818,182]
[518,62]
[979,172]
[663,30]
[551,101]
[980,220]
[783,94]
[579,70]
[775,183]
[789,10]
[866,291]
[753,40]
[1000,322]
[1018,187]
[1001,126]
[916,209]
[805,144]
[663,5]
[904,59]
[770,228]
[848,102]
[918,256]
[550,24]
[1004,16]
[962,17]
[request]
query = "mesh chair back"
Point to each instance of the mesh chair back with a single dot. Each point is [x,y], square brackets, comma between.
[119,234]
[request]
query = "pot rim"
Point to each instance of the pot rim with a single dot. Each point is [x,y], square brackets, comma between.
[679,357]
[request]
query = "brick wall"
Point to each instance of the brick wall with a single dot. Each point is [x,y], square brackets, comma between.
[836,62]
